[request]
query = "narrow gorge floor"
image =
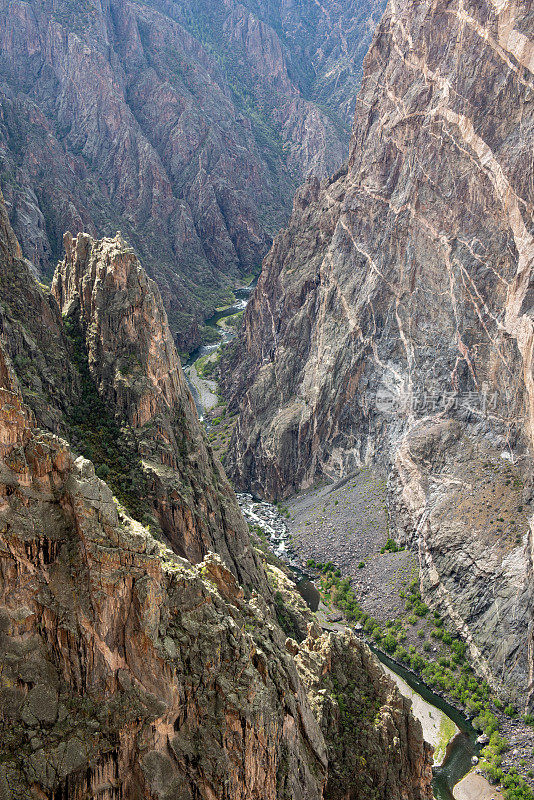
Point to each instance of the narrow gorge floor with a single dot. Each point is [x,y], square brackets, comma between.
[342,523]
[346,523]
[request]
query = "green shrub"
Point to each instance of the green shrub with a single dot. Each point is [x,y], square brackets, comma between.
[459,648]
[417,662]
[421,609]
[401,654]
[487,722]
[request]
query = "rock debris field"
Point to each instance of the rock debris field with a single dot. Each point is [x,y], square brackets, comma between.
[347,523]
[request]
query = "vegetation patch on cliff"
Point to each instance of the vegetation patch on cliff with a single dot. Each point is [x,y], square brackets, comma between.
[95,433]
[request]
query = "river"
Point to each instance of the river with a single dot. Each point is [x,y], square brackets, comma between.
[242,295]
[458,760]
[464,747]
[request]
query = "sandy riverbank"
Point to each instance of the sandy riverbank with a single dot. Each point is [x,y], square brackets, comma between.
[438,728]
[476,787]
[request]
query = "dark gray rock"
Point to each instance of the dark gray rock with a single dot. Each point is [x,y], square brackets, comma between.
[392,322]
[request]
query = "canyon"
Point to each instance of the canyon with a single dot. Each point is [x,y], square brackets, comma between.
[155,642]
[128,671]
[392,322]
[186,125]
[118,394]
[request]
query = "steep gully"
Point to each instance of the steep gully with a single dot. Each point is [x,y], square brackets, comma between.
[463,748]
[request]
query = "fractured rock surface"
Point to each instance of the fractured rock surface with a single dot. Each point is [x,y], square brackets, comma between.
[392,322]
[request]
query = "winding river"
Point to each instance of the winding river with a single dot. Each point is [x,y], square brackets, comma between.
[242,296]
[461,751]
[458,760]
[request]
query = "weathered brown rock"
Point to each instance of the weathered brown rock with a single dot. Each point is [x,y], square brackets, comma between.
[134,364]
[363,716]
[400,298]
[129,674]
[125,673]
[101,287]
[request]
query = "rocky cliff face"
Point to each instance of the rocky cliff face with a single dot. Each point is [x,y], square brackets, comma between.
[185,125]
[108,378]
[393,318]
[128,673]
[360,712]
[125,340]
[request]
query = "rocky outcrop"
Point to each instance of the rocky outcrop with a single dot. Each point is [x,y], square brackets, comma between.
[105,294]
[185,125]
[398,301]
[131,354]
[129,673]
[362,716]
[149,432]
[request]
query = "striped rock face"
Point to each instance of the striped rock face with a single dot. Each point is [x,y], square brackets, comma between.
[394,318]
